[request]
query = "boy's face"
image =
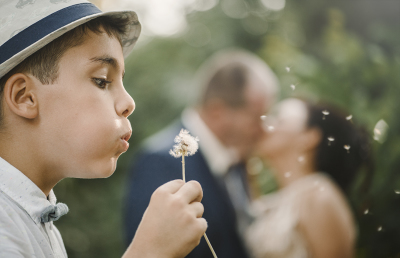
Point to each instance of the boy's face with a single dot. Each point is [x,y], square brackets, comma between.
[83,114]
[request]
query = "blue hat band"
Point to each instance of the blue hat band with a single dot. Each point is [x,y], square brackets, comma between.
[44,27]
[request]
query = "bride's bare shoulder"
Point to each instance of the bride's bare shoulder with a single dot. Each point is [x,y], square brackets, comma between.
[325,213]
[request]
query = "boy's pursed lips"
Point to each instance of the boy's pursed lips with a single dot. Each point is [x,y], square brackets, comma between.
[124,139]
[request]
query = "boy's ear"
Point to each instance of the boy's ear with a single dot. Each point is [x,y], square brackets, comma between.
[20,95]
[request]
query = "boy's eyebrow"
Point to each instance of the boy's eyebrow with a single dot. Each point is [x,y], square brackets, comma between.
[106,59]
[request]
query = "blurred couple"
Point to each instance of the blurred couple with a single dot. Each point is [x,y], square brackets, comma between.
[313,150]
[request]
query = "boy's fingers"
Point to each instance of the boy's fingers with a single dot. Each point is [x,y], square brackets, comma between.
[203,224]
[172,186]
[197,209]
[191,192]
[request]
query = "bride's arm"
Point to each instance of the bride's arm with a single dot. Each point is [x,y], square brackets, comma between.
[326,224]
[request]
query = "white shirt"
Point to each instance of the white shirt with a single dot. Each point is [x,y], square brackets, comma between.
[218,157]
[21,232]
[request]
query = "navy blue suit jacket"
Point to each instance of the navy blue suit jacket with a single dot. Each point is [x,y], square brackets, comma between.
[154,166]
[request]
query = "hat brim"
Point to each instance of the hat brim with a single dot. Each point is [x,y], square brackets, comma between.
[128,40]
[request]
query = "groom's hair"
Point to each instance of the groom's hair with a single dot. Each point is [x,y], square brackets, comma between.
[226,75]
[228,84]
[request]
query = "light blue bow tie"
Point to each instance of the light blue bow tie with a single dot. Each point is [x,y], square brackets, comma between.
[53,212]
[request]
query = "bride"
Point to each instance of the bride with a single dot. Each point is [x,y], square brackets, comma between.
[314,152]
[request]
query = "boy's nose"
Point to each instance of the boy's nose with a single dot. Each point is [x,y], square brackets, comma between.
[125,105]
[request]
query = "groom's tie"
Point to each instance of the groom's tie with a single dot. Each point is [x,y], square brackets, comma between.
[235,182]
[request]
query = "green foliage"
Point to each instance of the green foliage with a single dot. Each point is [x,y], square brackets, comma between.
[330,57]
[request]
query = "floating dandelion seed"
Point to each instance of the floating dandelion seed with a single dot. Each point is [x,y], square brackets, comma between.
[263,117]
[325,113]
[396,191]
[187,145]
[271,128]
[380,228]
[287,68]
[293,86]
[366,211]
[380,131]
[349,117]
[300,159]
[347,147]
[330,139]
[288,174]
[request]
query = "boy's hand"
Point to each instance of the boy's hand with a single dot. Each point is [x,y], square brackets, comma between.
[172,225]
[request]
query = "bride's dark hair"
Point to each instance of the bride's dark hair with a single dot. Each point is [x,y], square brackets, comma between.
[344,147]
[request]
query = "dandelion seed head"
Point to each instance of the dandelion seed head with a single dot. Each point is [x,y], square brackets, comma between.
[186,144]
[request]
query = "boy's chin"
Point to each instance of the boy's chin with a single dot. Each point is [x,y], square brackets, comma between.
[99,172]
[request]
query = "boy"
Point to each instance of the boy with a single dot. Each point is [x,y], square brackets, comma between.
[64,114]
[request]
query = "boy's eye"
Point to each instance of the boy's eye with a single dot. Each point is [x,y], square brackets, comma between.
[101,83]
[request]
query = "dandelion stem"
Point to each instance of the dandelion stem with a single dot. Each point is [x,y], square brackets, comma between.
[209,245]
[205,236]
[183,168]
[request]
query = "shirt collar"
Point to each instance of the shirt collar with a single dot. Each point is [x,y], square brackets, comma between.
[23,191]
[218,156]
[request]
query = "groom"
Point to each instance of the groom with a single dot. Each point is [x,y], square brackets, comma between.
[237,88]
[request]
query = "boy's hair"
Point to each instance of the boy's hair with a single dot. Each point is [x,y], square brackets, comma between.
[43,64]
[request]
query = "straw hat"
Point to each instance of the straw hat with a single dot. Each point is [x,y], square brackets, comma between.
[28,25]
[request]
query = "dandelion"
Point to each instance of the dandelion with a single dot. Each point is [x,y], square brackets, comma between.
[300,159]
[187,145]
[271,128]
[325,113]
[347,147]
[330,139]
[380,131]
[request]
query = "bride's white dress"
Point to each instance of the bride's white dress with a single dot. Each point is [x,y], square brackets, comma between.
[274,233]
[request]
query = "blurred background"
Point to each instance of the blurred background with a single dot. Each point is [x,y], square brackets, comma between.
[345,52]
